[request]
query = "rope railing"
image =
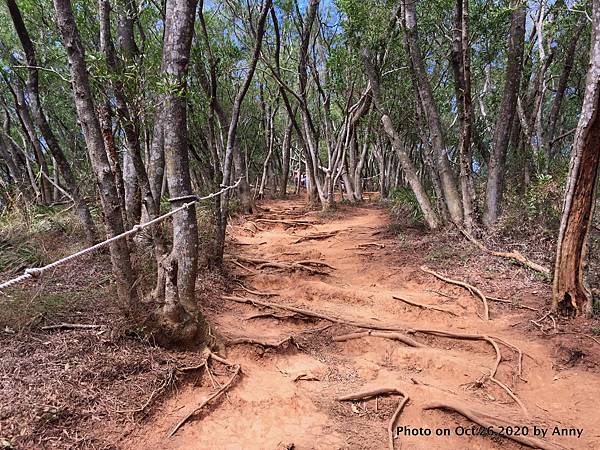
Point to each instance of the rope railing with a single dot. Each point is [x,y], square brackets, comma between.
[35,272]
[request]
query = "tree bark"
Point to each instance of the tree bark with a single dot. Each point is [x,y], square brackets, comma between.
[451,195]
[408,168]
[86,112]
[461,65]
[42,122]
[571,294]
[495,181]
[186,322]
[562,85]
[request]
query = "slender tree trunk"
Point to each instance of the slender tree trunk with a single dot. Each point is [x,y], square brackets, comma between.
[408,168]
[451,195]
[42,122]
[90,126]
[285,164]
[461,65]
[495,181]
[562,86]
[571,294]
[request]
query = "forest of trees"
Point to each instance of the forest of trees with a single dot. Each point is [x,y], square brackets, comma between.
[138,106]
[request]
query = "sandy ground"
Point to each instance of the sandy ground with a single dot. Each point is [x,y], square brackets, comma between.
[287,396]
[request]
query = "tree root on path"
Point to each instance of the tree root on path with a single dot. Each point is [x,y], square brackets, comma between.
[251,341]
[306,265]
[380,334]
[508,302]
[316,236]
[260,294]
[381,327]
[378,392]
[486,420]
[308,313]
[424,306]
[510,255]
[289,223]
[494,369]
[236,370]
[472,289]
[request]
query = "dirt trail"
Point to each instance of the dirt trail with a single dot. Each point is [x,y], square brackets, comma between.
[288,395]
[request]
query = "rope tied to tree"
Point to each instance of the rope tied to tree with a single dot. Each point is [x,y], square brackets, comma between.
[36,272]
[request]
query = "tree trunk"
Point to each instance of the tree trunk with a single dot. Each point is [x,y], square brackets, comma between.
[86,112]
[495,181]
[571,294]
[461,65]
[562,85]
[408,168]
[286,151]
[451,195]
[42,122]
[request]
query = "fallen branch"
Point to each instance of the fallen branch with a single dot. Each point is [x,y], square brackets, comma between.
[380,334]
[222,389]
[376,393]
[316,236]
[472,289]
[510,255]
[70,326]
[424,306]
[497,423]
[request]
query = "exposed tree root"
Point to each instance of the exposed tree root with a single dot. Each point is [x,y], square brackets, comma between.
[316,236]
[308,313]
[378,392]
[289,223]
[251,341]
[472,289]
[222,389]
[371,244]
[486,420]
[424,306]
[380,334]
[510,255]
[166,383]
[508,302]
[279,316]
[306,265]
[260,294]
[292,266]
[494,368]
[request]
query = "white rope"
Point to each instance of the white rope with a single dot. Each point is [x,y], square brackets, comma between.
[38,271]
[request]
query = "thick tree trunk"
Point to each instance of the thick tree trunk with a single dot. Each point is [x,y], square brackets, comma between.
[495,181]
[184,321]
[451,195]
[571,294]
[90,126]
